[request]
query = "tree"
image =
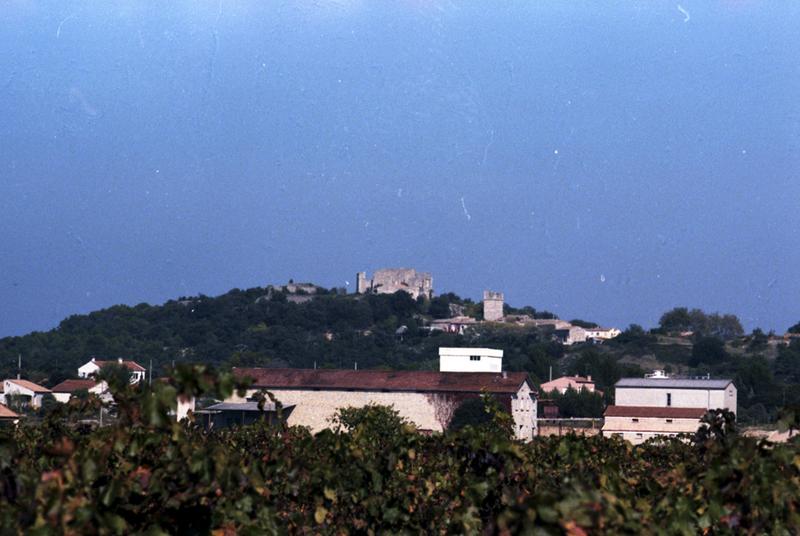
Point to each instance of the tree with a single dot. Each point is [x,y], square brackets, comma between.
[373,420]
[581,403]
[708,350]
[471,412]
[795,328]
[676,320]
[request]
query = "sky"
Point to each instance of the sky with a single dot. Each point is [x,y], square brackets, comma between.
[604,160]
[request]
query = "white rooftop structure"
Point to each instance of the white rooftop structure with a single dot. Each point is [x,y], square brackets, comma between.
[470,360]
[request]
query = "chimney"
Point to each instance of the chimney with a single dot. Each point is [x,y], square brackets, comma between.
[505,375]
[119,360]
[589,377]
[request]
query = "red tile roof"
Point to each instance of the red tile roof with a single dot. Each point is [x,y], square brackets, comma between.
[6,413]
[380,380]
[131,365]
[35,387]
[655,412]
[70,386]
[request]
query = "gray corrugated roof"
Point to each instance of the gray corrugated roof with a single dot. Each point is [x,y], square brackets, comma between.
[243,406]
[673,383]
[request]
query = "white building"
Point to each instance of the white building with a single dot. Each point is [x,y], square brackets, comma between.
[602,333]
[67,389]
[676,393]
[92,367]
[648,407]
[470,360]
[31,393]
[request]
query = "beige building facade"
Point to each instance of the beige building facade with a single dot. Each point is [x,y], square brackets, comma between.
[659,406]
[678,393]
[427,399]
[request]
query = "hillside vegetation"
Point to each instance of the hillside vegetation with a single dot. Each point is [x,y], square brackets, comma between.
[267,327]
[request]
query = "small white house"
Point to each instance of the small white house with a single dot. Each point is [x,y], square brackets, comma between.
[92,367]
[470,360]
[67,389]
[31,392]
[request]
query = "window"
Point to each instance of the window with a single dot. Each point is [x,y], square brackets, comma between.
[669,420]
[474,358]
[669,399]
[635,420]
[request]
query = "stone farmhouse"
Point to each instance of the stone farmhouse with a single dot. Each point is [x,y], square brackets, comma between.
[650,407]
[390,280]
[426,398]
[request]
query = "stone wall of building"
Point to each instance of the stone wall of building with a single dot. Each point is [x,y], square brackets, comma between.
[492,306]
[638,430]
[316,408]
[390,280]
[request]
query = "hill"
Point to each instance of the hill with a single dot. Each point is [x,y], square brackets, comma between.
[307,326]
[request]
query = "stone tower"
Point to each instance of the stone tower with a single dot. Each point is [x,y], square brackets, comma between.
[492,306]
[362,283]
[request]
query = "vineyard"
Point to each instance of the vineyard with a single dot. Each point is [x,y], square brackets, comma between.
[372,473]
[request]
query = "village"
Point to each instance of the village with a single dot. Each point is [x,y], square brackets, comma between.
[643,408]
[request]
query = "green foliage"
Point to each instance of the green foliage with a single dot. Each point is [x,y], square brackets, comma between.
[149,474]
[708,350]
[581,403]
[484,415]
[679,319]
[471,412]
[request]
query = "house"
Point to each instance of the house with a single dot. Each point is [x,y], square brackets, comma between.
[470,360]
[92,367]
[67,389]
[426,398]
[7,416]
[562,384]
[227,414]
[659,405]
[457,324]
[29,392]
[571,335]
[602,334]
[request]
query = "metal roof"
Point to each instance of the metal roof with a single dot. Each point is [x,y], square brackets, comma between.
[243,406]
[672,383]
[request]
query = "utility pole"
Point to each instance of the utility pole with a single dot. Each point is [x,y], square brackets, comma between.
[19,366]
[150,382]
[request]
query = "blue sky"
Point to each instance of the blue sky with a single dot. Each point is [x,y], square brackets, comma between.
[602,160]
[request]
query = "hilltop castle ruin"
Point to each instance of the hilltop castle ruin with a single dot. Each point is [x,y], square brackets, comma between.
[390,280]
